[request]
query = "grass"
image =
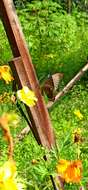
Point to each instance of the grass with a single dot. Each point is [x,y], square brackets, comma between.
[67,53]
[64,123]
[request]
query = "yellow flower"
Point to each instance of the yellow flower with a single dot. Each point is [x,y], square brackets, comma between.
[70,171]
[5,73]
[7,176]
[78,114]
[27,96]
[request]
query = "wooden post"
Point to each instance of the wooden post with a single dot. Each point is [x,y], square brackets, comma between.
[24,74]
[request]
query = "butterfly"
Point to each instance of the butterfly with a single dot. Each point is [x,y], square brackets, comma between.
[50,86]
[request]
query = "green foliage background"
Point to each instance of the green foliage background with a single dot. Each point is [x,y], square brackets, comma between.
[58,42]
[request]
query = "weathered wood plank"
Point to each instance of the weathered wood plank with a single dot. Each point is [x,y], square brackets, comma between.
[24,74]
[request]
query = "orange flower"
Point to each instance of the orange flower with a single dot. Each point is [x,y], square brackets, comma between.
[70,171]
[4,120]
[62,166]
[9,119]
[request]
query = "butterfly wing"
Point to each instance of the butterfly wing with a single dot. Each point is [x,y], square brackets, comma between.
[56,80]
[48,88]
[51,84]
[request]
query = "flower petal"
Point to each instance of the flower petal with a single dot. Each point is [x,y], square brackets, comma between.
[70,171]
[27,96]
[5,73]
[78,114]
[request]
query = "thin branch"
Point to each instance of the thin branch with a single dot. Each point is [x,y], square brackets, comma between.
[22,134]
[68,86]
[53,182]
